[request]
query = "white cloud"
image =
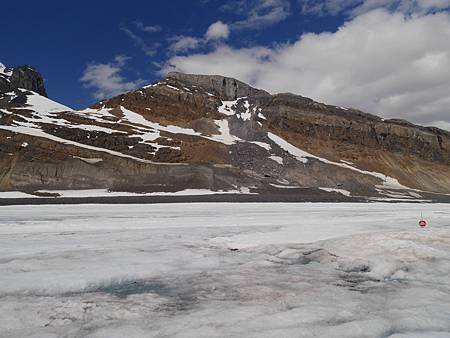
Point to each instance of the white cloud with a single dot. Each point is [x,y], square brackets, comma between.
[106,80]
[441,124]
[147,29]
[257,14]
[217,30]
[357,7]
[381,62]
[181,43]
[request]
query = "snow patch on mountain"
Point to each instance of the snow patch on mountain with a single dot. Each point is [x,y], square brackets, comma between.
[225,136]
[277,159]
[43,105]
[262,145]
[302,156]
[34,130]
[228,107]
[339,191]
[299,154]
[5,71]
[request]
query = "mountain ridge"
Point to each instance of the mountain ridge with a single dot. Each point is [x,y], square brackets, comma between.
[214,132]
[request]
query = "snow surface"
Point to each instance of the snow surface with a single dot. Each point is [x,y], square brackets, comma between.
[107,193]
[263,145]
[246,116]
[34,130]
[299,154]
[277,159]
[302,156]
[285,186]
[154,133]
[295,270]
[340,191]
[14,194]
[43,105]
[225,136]
[93,160]
[227,107]
[44,110]
[172,87]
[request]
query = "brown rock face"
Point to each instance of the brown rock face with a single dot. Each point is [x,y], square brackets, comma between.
[184,132]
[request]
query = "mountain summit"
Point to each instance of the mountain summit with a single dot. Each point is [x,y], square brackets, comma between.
[217,133]
[25,77]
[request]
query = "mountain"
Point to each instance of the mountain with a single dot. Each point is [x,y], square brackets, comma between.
[216,133]
[25,77]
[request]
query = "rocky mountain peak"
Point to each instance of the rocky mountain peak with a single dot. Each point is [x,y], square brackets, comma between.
[226,88]
[24,77]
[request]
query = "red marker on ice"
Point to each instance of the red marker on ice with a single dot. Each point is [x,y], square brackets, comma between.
[422,222]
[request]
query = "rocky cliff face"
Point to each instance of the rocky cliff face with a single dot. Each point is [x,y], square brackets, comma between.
[217,133]
[25,77]
[224,87]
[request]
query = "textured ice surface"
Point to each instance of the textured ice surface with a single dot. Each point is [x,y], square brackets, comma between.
[225,270]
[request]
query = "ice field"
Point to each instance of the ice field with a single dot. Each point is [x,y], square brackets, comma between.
[225,270]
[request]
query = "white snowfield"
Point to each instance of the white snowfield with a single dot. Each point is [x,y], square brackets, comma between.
[43,105]
[225,270]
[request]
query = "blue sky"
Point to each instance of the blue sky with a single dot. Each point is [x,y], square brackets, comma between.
[61,37]
[88,50]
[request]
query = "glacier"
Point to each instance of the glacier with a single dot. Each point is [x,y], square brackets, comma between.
[225,270]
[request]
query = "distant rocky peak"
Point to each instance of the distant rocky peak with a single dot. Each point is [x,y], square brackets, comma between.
[224,87]
[24,77]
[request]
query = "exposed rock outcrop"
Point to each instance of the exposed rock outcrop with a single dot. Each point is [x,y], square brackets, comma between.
[225,88]
[24,77]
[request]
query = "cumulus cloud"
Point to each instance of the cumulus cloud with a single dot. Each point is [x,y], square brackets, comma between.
[218,30]
[357,7]
[106,80]
[382,62]
[257,14]
[182,43]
